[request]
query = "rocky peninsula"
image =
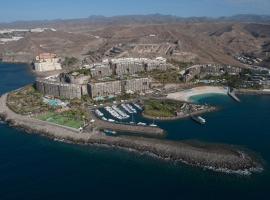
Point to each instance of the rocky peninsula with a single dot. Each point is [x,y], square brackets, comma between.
[219,158]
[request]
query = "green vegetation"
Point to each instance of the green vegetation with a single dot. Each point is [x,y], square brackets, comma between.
[71,118]
[168,76]
[26,101]
[161,108]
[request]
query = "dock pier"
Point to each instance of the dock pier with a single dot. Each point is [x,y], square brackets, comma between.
[232,94]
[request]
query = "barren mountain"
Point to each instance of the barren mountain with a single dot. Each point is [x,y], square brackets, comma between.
[198,40]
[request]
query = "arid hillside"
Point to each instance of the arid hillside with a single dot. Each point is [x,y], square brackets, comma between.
[197,41]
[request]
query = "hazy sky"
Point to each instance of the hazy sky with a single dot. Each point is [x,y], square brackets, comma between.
[12,10]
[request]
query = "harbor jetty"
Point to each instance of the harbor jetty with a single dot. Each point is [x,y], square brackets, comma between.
[134,129]
[231,93]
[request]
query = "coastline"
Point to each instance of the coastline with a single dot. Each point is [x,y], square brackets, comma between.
[228,160]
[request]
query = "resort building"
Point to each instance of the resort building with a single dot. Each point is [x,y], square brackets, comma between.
[104,89]
[201,71]
[100,70]
[53,87]
[109,78]
[47,62]
[117,87]
[136,85]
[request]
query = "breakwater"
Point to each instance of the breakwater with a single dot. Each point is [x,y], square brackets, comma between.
[129,128]
[220,158]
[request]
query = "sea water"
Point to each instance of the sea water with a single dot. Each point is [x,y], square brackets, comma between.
[34,167]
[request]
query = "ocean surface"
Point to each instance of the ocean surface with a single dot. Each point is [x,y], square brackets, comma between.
[34,167]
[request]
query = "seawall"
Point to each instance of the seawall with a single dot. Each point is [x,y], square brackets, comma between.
[129,128]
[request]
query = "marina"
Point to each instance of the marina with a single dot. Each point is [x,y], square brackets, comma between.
[129,108]
[133,110]
[137,106]
[113,113]
[117,114]
[126,108]
[120,112]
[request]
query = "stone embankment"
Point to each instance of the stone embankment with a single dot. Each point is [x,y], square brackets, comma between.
[220,158]
[147,131]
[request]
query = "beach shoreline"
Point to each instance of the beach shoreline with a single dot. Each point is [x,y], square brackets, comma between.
[186,95]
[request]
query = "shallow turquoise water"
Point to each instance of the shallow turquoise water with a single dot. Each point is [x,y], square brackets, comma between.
[33,167]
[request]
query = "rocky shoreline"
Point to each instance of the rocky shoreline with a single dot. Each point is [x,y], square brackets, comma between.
[252,92]
[220,158]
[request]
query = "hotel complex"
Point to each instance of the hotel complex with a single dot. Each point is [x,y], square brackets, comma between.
[109,78]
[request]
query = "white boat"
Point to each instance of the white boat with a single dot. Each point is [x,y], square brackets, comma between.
[141,124]
[153,124]
[137,106]
[104,119]
[120,112]
[111,120]
[199,119]
[113,113]
[133,110]
[110,133]
[124,106]
[99,113]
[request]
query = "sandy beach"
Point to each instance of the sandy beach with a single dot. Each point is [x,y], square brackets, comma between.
[187,94]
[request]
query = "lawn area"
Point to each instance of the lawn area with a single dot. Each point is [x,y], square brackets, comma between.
[161,108]
[66,119]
